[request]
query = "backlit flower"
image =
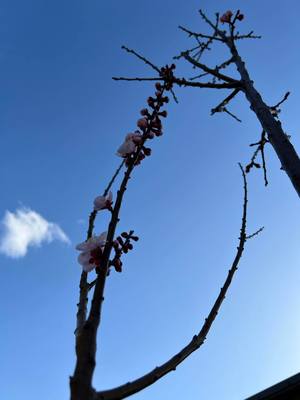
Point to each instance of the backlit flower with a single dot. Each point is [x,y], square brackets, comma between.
[103,202]
[129,145]
[91,252]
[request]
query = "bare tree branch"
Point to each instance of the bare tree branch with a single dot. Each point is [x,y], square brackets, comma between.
[255,233]
[231,114]
[247,36]
[210,85]
[198,35]
[139,79]
[281,101]
[157,373]
[146,61]
[185,82]
[219,107]
[209,70]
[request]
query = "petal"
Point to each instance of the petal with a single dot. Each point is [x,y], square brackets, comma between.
[126,148]
[84,258]
[82,246]
[99,203]
[101,239]
[129,137]
[110,196]
[88,267]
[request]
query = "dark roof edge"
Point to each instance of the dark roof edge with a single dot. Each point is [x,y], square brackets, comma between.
[278,389]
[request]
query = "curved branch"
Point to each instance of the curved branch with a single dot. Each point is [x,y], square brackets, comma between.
[157,373]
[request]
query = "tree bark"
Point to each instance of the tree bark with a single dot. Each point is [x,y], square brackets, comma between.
[284,149]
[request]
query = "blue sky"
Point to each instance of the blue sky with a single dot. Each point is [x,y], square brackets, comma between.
[62,119]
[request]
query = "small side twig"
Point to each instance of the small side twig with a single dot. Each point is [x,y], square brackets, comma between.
[260,148]
[142,58]
[274,109]
[210,71]
[139,79]
[255,233]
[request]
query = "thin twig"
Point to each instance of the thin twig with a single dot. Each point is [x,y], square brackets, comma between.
[247,36]
[209,85]
[281,101]
[255,233]
[231,114]
[219,107]
[146,61]
[116,78]
[185,82]
[217,68]
[199,35]
[208,70]
[262,150]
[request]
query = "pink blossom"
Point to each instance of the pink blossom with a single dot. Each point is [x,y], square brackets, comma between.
[103,202]
[226,17]
[126,148]
[129,145]
[135,137]
[91,251]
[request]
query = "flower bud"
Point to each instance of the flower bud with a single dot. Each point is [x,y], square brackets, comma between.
[147,151]
[142,123]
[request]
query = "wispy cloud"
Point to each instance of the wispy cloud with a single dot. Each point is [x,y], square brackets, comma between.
[25,228]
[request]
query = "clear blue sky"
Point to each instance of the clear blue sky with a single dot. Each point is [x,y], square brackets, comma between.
[62,119]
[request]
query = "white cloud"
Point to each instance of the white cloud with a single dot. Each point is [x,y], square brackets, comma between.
[26,228]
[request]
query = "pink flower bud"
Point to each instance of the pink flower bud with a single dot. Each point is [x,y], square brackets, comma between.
[142,123]
[144,111]
[226,17]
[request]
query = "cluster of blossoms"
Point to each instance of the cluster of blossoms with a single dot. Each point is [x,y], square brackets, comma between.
[226,17]
[133,149]
[122,245]
[150,124]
